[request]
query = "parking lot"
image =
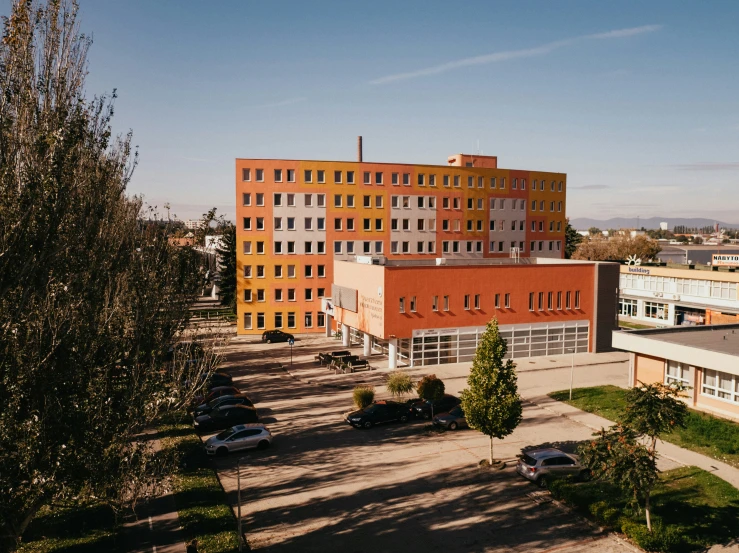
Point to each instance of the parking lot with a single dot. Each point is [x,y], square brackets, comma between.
[325,486]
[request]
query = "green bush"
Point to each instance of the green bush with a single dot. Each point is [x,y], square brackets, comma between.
[399,383]
[431,388]
[363,396]
[661,538]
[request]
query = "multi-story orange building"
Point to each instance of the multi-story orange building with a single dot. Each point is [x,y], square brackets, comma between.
[294,218]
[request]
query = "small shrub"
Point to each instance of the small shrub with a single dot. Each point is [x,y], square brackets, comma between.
[431,388]
[363,396]
[399,383]
[661,538]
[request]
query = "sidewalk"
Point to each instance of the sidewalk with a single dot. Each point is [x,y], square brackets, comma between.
[664,449]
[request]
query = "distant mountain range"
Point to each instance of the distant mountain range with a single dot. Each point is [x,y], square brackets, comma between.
[583,223]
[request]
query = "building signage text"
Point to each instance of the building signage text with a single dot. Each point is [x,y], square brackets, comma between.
[725,260]
[639,270]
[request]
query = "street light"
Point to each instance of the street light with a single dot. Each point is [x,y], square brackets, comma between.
[572,371]
[238,499]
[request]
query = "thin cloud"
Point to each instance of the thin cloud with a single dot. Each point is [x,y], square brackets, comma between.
[709,166]
[590,187]
[514,54]
[288,102]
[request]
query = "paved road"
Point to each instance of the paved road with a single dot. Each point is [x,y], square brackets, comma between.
[325,486]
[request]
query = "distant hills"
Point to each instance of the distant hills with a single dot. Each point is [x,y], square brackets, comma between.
[583,223]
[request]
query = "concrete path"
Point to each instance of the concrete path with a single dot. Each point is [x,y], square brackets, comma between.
[664,449]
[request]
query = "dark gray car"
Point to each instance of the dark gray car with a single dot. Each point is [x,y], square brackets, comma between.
[452,420]
[541,465]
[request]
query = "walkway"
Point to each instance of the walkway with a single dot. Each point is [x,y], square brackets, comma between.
[664,449]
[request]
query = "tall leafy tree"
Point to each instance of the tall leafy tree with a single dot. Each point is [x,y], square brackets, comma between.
[91,297]
[492,404]
[227,263]
[572,240]
[627,453]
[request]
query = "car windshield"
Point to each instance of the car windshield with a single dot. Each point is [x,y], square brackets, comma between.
[457,412]
[223,435]
[370,409]
[527,459]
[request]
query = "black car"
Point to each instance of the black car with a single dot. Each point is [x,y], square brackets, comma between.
[206,408]
[226,417]
[422,409]
[379,412]
[212,394]
[272,336]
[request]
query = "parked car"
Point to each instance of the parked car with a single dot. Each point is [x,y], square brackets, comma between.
[242,436]
[205,408]
[541,465]
[452,420]
[226,417]
[214,393]
[422,409]
[272,336]
[378,413]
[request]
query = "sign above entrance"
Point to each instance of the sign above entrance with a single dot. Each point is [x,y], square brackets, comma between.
[725,260]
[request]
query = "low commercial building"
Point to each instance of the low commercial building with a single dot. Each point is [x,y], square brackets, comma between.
[428,312]
[669,296]
[705,358]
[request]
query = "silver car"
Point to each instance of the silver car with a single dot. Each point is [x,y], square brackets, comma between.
[541,465]
[452,420]
[241,436]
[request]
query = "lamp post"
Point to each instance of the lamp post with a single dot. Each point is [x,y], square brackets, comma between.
[572,371]
[238,500]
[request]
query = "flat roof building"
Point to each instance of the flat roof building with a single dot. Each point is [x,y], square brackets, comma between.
[295,217]
[705,358]
[673,296]
[433,311]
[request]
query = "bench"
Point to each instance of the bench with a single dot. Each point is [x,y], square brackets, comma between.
[323,358]
[359,365]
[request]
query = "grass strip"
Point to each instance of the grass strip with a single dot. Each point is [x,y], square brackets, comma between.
[691,510]
[201,502]
[703,433]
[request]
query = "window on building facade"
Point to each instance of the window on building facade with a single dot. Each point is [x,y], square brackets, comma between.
[677,373]
[652,310]
[247,321]
[402,305]
[321,176]
[308,175]
[412,304]
[291,319]
[435,303]
[260,321]
[260,175]
[446,303]
[721,385]
[497,301]
[507,301]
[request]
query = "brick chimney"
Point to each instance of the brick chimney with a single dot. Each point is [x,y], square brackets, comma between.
[359,149]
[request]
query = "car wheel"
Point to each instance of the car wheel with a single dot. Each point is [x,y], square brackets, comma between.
[268,341]
[367,424]
[403,418]
[221,452]
[585,475]
[542,481]
[426,416]
[264,444]
[453,426]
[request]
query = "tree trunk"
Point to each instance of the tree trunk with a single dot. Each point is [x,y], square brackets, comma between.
[491,451]
[646,510]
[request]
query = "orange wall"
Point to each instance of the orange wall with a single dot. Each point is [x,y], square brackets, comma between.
[370,314]
[649,369]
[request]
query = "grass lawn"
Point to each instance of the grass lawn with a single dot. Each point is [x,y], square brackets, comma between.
[633,326]
[201,502]
[691,509]
[704,433]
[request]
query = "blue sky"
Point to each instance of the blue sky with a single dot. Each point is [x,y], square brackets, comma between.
[636,101]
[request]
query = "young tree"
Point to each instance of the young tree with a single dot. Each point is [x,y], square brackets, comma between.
[227,261]
[619,454]
[91,297]
[399,383]
[492,404]
[572,240]
[431,389]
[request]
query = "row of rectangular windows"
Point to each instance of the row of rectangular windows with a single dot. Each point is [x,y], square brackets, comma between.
[395,178]
[550,305]
[448,225]
[320,320]
[308,271]
[291,295]
[475,246]
[446,302]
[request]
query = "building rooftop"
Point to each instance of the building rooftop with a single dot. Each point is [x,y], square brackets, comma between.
[718,338]
[471,262]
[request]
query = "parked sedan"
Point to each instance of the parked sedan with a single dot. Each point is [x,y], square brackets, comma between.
[205,408]
[378,413]
[242,436]
[541,465]
[226,417]
[422,409]
[272,336]
[452,420]
[214,393]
